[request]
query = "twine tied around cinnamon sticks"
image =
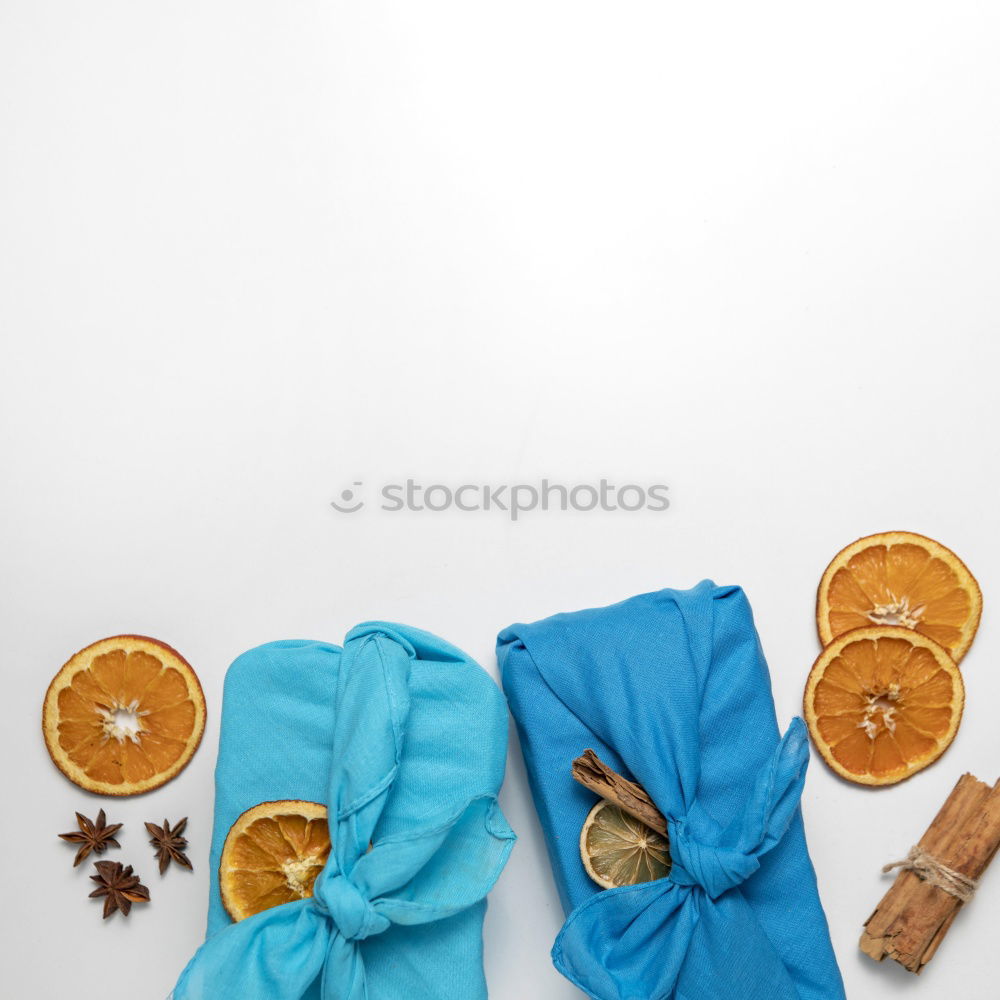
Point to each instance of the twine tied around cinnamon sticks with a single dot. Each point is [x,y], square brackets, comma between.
[936,873]
[938,877]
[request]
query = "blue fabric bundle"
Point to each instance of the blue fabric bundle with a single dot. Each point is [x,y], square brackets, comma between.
[404,738]
[672,690]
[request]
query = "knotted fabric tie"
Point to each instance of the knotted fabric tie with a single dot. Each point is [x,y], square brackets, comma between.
[354,916]
[716,869]
[445,843]
[718,861]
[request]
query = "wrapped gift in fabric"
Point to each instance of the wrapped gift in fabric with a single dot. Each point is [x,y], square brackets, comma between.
[671,691]
[403,738]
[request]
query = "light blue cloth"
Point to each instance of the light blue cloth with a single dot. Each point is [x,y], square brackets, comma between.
[404,738]
[672,690]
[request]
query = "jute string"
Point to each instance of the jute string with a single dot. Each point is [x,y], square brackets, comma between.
[932,871]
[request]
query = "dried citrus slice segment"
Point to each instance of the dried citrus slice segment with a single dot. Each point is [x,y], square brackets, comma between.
[124,715]
[619,850]
[900,578]
[272,855]
[882,703]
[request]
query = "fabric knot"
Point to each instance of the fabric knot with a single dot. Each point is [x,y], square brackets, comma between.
[353,915]
[716,869]
[719,860]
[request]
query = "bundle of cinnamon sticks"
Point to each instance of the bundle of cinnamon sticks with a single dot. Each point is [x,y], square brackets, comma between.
[937,878]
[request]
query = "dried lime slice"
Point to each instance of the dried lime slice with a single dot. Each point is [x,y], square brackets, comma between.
[619,850]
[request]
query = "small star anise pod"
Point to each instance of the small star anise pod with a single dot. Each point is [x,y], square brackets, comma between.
[169,844]
[119,887]
[92,836]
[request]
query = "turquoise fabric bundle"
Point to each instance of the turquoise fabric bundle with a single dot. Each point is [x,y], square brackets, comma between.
[672,690]
[403,738]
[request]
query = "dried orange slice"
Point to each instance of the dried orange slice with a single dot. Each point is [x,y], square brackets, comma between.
[272,855]
[882,703]
[124,715]
[617,849]
[900,578]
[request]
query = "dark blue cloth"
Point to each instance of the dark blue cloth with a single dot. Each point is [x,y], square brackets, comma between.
[672,690]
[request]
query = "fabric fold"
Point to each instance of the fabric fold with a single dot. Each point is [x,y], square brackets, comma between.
[719,866]
[672,690]
[404,738]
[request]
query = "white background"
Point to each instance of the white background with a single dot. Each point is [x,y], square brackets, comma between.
[255,251]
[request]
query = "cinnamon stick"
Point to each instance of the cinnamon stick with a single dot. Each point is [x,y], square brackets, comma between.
[910,922]
[591,772]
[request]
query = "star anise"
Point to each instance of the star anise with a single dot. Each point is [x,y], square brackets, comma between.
[119,887]
[169,844]
[92,836]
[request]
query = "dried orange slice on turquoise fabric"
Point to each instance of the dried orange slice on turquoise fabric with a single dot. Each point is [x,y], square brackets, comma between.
[272,855]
